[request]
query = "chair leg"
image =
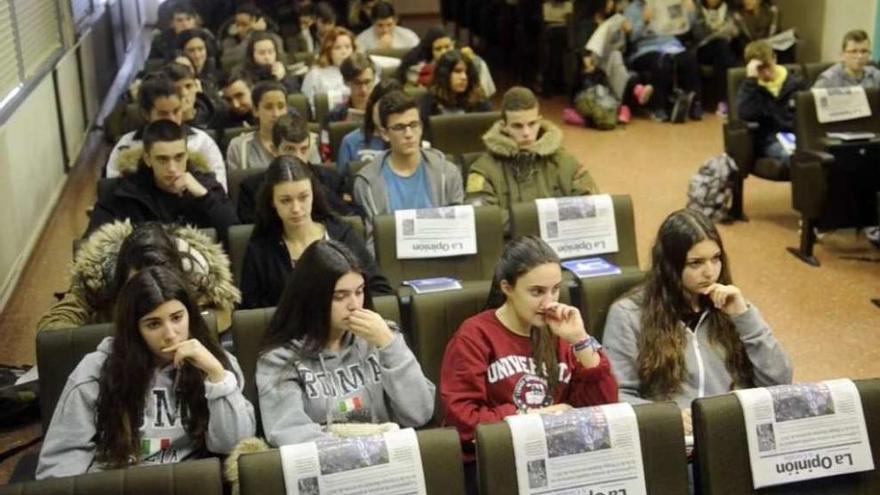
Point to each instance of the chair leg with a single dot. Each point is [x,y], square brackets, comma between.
[876,302]
[804,251]
[736,207]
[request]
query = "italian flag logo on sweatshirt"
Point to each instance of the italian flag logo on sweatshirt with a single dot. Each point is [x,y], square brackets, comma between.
[150,446]
[349,405]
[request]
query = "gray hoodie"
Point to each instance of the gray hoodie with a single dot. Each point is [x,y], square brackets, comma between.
[706,372]
[361,384]
[69,446]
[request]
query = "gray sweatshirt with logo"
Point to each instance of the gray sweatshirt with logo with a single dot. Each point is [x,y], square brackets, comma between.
[706,373]
[299,395]
[69,447]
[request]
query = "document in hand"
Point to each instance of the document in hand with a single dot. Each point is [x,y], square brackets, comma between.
[390,464]
[591,267]
[837,104]
[583,451]
[435,232]
[578,225]
[805,431]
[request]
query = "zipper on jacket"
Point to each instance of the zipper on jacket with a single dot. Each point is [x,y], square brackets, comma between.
[701,370]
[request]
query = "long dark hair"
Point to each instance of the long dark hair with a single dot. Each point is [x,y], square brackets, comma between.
[423,52]
[286,168]
[381,89]
[662,343]
[250,65]
[521,256]
[303,312]
[129,369]
[473,95]
[211,49]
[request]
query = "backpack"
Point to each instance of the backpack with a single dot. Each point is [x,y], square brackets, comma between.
[597,104]
[710,190]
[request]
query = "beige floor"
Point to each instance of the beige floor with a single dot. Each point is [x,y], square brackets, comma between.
[822,316]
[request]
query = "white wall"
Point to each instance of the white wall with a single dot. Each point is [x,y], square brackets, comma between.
[842,16]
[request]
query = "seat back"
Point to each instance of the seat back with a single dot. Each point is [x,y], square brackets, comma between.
[239,236]
[441,464]
[721,457]
[813,70]
[322,107]
[389,52]
[597,294]
[810,133]
[300,102]
[337,131]
[479,266]
[461,133]
[663,452]
[230,133]
[235,177]
[735,78]
[201,476]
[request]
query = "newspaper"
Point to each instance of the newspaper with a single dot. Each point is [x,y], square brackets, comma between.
[436,232]
[390,464]
[805,431]
[607,37]
[580,452]
[837,104]
[671,18]
[782,41]
[579,225]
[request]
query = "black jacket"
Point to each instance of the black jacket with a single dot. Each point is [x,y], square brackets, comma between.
[267,266]
[772,115]
[136,197]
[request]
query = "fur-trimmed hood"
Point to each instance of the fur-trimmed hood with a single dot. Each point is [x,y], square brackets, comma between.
[206,266]
[499,143]
[130,159]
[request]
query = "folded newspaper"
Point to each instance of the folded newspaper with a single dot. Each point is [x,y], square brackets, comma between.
[591,267]
[435,232]
[437,284]
[578,225]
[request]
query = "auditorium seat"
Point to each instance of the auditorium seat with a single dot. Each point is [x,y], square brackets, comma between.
[322,108]
[460,133]
[300,103]
[337,131]
[663,452]
[261,473]
[235,177]
[721,455]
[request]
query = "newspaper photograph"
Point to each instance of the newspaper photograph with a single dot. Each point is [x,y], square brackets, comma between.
[584,451]
[578,226]
[838,104]
[389,464]
[805,431]
[436,232]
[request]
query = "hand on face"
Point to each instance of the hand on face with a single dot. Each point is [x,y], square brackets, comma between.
[727,298]
[188,183]
[385,40]
[565,322]
[278,70]
[193,352]
[687,422]
[752,67]
[370,326]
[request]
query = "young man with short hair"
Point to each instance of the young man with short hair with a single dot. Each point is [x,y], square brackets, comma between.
[405,176]
[767,97]
[854,69]
[158,99]
[196,108]
[164,182]
[238,108]
[183,16]
[359,75]
[524,159]
[385,33]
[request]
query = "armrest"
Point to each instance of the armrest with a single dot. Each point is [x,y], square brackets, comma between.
[808,155]
[739,143]
[809,186]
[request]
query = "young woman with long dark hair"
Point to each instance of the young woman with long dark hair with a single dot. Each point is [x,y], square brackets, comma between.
[330,359]
[161,390]
[455,87]
[687,331]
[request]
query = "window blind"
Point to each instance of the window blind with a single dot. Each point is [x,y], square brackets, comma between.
[38,31]
[9,74]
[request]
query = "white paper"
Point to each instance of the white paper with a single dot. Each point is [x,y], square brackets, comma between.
[837,104]
[390,464]
[436,232]
[580,452]
[579,225]
[670,17]
[805,431]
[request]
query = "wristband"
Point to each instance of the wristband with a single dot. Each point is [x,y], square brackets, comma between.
[586,343]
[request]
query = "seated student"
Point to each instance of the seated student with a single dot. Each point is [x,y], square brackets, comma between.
[523,323]
[254,149]
[359,12]
[248,19]
[854,69]
[292,214]
[305,37]
[329,360]
[200,48]
[236,91]
[291,137]
[455,87]
[365,142]
[687,332]
[157,100]
[360,77]
[325,19]
[262,63]
[406,176]
[164,182]
[767,97]
[325,76]
[105,259]
[196,108]
[112,412]
[417,66]
[385,33]
[655,48]
[183,17]
[755,20]
[715,30]
[525,159]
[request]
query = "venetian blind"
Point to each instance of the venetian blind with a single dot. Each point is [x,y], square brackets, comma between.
[9,75]
[39,32]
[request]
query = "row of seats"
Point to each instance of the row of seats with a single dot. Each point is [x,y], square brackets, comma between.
[721,460]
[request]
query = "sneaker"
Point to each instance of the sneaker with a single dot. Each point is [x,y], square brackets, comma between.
[572,117]
[643,93]
[722,109]
[873,235]
[696,111]
[660,115]
[624,115]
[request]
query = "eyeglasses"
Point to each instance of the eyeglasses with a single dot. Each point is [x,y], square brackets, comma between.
[413,126]
[858,52]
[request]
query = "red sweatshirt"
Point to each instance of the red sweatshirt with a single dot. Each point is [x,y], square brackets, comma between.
[488,373]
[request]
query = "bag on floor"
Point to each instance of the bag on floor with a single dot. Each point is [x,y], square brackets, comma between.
[18,403]
[599,106]
[710,190]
